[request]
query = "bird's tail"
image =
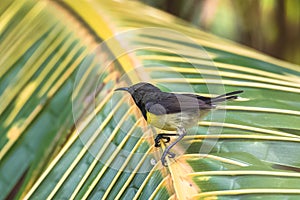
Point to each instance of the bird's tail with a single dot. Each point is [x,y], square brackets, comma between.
[225,97]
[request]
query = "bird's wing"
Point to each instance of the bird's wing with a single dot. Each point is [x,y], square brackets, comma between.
[202,98]
[168,103]
[224,97]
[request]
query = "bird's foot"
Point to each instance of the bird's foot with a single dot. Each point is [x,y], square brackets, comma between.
[181,134]
[163,157]
[165,136]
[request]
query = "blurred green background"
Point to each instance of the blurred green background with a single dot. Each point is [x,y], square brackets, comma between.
[270,26]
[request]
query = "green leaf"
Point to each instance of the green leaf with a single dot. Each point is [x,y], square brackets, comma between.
[67,135]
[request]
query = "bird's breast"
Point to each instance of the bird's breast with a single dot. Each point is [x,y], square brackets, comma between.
[173,121]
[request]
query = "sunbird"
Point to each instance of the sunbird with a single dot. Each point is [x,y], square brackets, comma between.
[172,111]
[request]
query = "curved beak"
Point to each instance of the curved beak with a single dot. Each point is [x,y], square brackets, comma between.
[123,88]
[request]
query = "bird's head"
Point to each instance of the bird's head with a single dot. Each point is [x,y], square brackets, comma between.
[138,90]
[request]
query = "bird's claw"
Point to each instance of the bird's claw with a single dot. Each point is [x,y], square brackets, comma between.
[159,137]
[166,136]
[163,157]
[171,155]
[167,150]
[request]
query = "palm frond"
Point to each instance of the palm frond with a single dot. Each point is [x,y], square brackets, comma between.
[66,134]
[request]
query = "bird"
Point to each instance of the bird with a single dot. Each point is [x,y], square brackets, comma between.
[172,111]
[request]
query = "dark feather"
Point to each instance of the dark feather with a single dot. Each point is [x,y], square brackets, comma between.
[167,103]
[150,98]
